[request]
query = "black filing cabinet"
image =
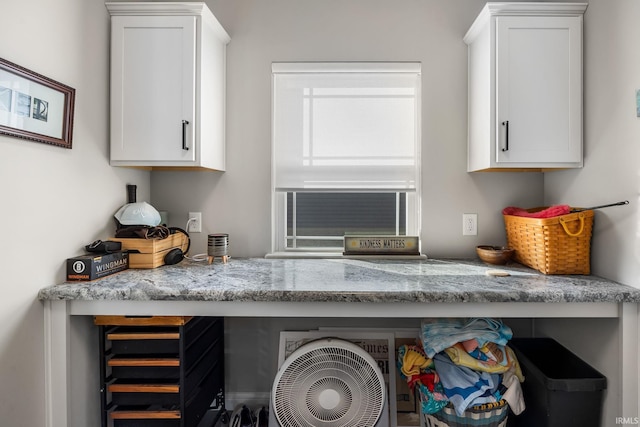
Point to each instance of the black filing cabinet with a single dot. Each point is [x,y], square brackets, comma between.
[160,371]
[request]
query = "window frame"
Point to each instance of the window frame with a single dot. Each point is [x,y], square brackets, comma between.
[279,196]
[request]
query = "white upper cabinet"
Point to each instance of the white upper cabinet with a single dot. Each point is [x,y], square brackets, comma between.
[167,86]
[525,87]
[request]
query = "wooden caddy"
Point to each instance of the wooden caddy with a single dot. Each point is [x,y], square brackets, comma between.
[150,253]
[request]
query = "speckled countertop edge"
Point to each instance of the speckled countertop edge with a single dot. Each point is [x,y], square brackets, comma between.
[342,280]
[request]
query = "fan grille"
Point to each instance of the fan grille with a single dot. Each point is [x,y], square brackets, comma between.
[329,382]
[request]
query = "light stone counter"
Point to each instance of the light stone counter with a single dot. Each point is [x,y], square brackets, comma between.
[342,280]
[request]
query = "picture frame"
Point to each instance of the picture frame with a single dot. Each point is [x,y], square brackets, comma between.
[35,107]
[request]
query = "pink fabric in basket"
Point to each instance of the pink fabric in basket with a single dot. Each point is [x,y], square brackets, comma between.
[549,212]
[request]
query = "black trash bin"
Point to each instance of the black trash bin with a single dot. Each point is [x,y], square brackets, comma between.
[560,389]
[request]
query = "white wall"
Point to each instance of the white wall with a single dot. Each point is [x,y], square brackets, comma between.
[430,31]
[611,170]
[54,200]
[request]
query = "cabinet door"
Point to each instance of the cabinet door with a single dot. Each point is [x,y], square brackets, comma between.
[539,89]
[153,88]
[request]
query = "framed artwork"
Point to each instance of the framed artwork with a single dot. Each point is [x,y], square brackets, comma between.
[35,107]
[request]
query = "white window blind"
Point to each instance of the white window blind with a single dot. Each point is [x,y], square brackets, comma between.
[346,126]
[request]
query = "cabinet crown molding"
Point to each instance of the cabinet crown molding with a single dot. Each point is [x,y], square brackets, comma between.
[147,8]
[522,9]
[169,9]
[537,8]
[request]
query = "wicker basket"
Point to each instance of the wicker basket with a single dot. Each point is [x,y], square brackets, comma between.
[496,416]
[558,245]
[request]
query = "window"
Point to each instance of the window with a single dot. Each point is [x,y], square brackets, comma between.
[346,152]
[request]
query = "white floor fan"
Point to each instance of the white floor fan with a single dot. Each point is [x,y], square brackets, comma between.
[329,382]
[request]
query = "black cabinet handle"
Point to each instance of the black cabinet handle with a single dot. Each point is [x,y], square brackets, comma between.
[184,135]
[506,125]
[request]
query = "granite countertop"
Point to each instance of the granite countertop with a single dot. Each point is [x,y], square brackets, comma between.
[341,280]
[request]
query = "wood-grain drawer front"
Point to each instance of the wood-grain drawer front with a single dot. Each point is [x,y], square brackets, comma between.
[145,368]
[144,362]
[144,394]
[143,388]
[141,320]
[144,415]
[142,336]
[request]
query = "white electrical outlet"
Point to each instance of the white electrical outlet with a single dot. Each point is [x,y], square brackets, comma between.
[195,222]
[469,224]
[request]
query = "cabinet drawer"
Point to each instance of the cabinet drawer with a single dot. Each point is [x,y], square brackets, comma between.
[141,320]
[144,368]
[143,416]
[130,341]
[156,336]
[158,392]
